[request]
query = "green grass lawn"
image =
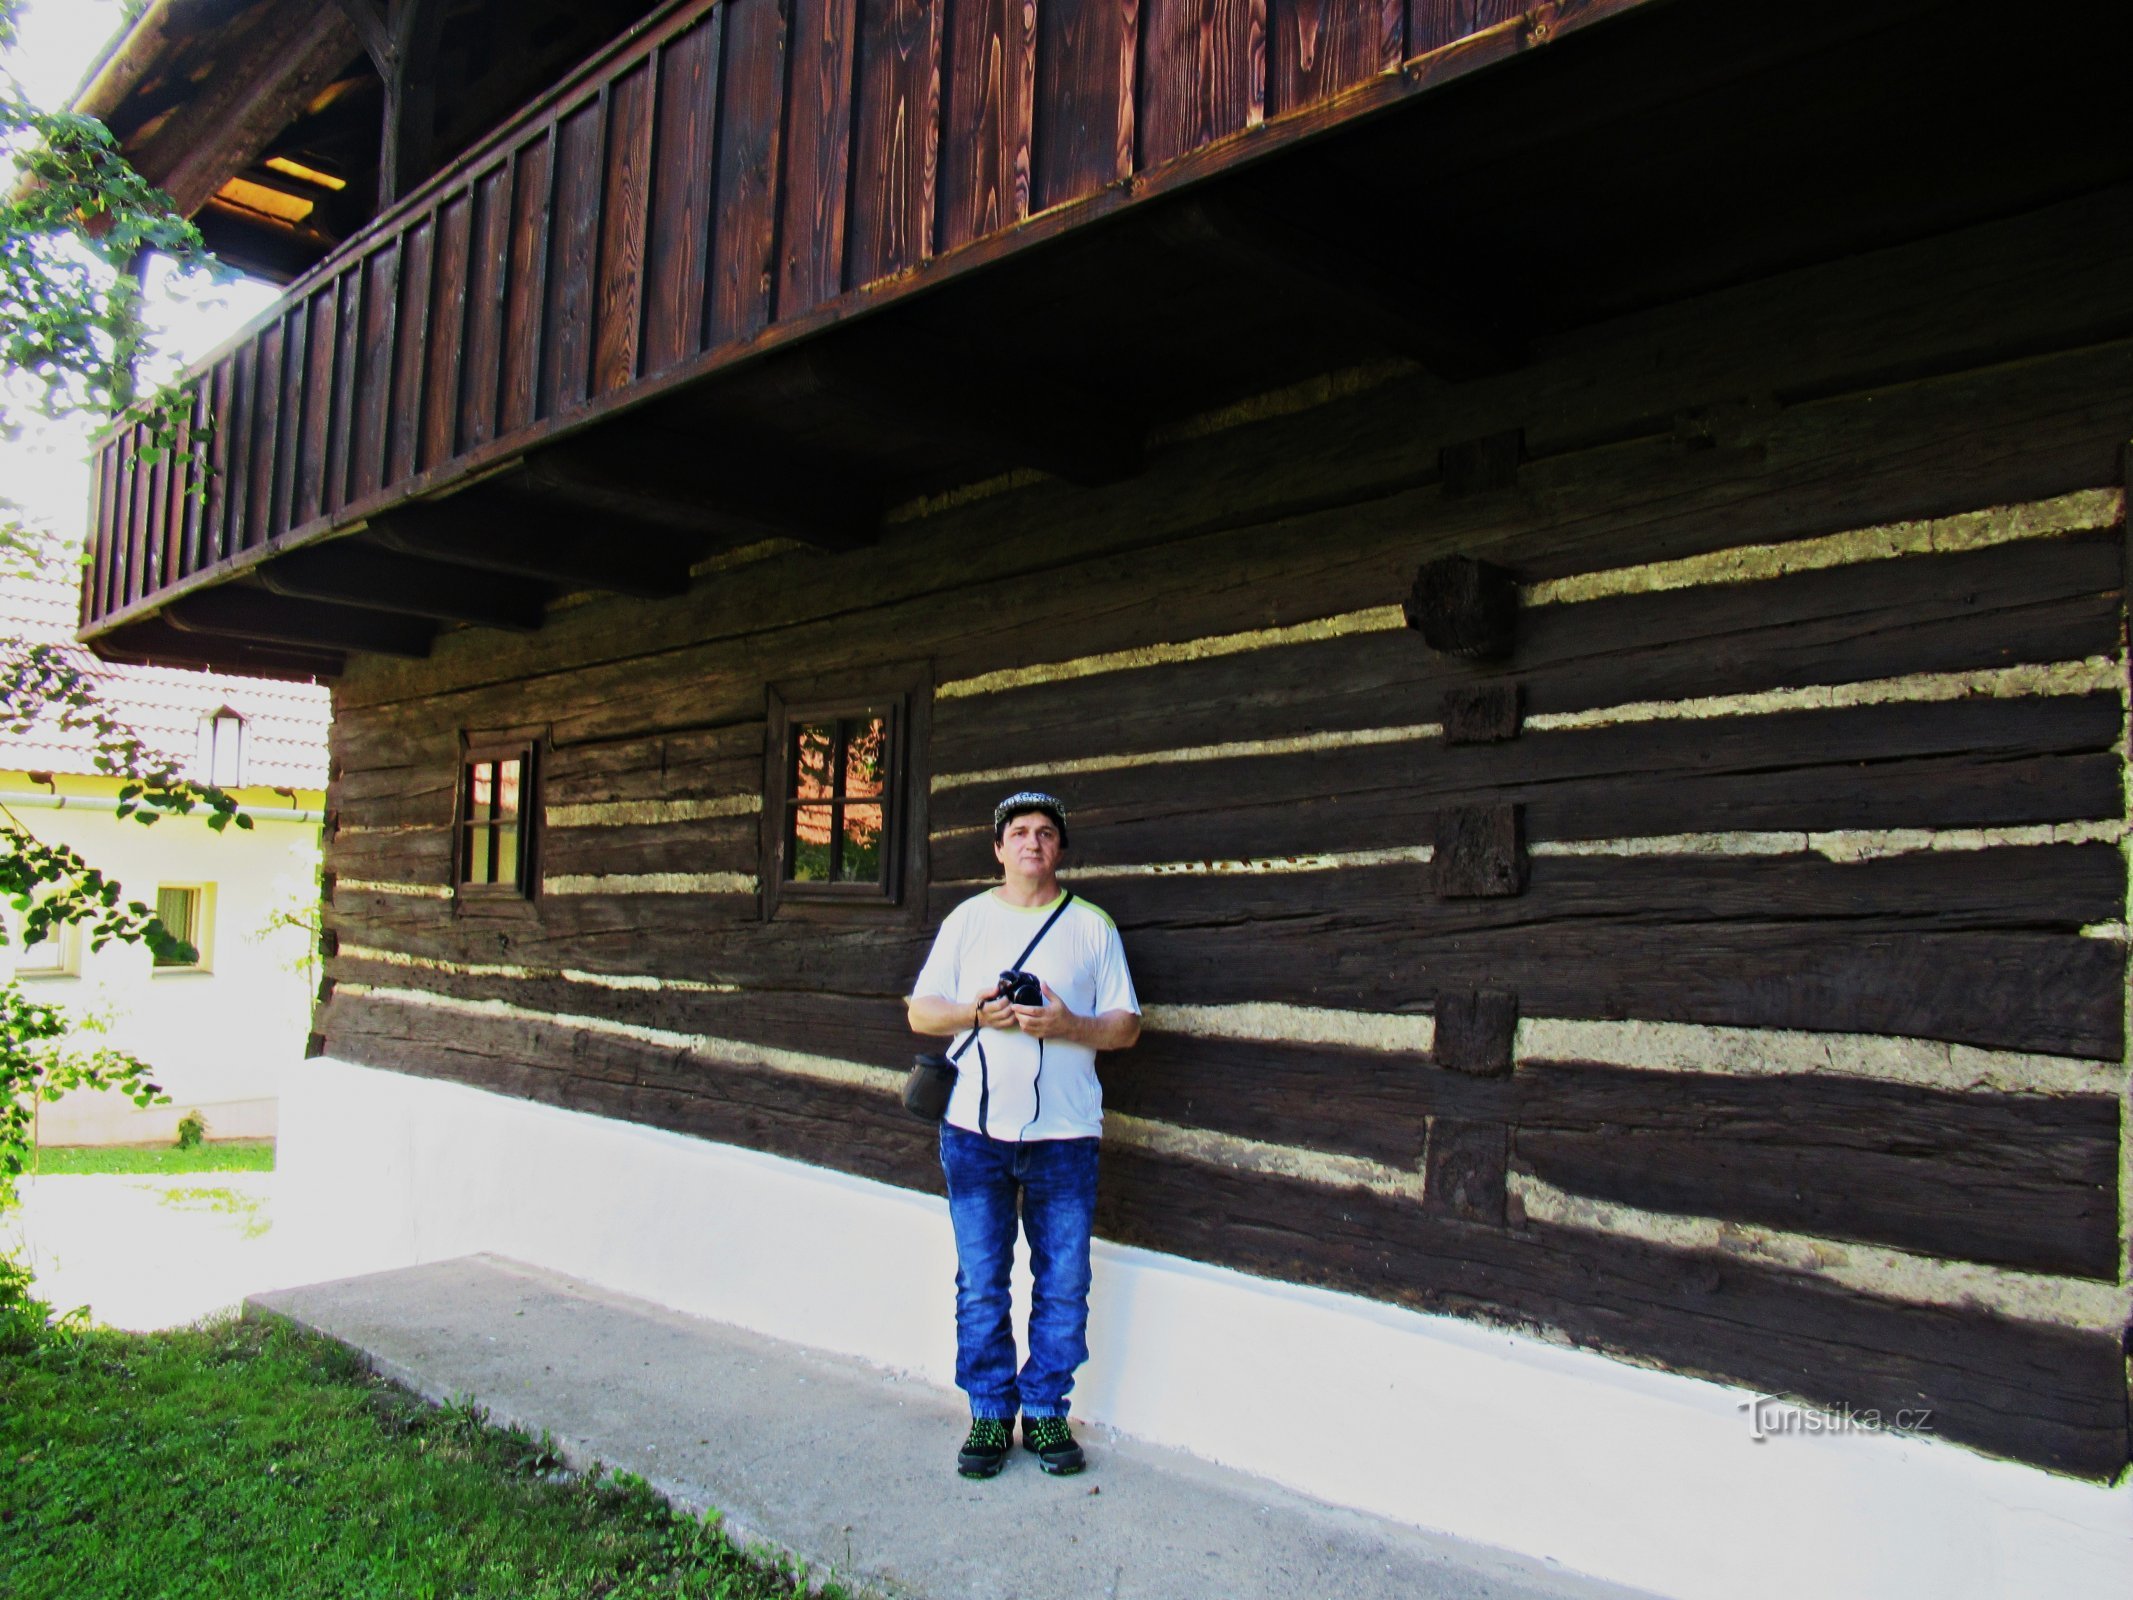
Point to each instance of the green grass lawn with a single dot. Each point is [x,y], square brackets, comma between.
[225,1155]
[244,1458]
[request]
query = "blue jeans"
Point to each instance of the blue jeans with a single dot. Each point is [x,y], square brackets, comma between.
[1055,1181]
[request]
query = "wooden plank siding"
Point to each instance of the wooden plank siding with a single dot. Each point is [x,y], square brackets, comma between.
[728,172]
[1814,1070]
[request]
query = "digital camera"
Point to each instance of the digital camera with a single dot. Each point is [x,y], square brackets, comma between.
[1020,988]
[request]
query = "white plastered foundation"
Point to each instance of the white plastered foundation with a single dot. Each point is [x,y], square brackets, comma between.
[1638,1476]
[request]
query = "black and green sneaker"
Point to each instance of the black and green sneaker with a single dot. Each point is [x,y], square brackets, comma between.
[1050,1441]
[984,1453]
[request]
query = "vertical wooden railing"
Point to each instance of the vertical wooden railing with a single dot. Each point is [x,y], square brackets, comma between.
[726,165]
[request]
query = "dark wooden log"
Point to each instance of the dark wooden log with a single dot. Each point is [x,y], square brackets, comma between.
[1480,714]
[2023,1181]
[1480,851]
[1031,419]
[155,640]
[387,581]
[1476,1031]
[542,545]
[1481,466]
[760,490]
[1466,1170]
[1342,281]
[248,614]
[1465,607]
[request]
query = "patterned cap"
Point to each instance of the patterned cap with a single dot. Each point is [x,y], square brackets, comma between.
[1027,800]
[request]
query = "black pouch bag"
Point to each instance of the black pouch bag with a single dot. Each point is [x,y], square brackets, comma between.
[931,1079]
[927,1088]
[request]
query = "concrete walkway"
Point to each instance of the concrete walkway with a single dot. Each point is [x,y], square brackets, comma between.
[851,1468]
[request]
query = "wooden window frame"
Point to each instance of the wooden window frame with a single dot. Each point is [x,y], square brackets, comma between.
[901,697]
[522,745]
[201,936]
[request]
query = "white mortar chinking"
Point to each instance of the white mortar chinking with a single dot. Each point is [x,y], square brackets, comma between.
[1271,1022]
[642,813]
[1697,1049]
[524,974]
[1251,867]
[1845,846]
[650,883]
[1240,749]
[1878,1270]
[2083,511]
[2093,675]
[418,891]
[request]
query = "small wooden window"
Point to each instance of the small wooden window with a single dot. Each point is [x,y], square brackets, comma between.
[185,909]
[496,811]
[837,802]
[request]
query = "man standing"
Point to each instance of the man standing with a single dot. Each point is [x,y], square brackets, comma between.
[1023,1126]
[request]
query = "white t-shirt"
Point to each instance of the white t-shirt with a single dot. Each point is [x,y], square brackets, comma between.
[1085,965]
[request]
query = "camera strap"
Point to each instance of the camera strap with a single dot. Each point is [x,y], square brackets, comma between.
[984,1067]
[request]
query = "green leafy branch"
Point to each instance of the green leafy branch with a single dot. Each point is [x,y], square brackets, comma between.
[40,1060]
[76,222]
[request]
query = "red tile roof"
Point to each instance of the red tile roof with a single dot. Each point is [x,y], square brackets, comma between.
[285,723]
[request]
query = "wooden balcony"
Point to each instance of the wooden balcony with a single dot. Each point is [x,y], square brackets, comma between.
[827,254]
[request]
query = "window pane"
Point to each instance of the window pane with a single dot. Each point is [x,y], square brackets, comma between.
[860,859]
[814,752]
[865,757]
[506,853]
[482,775]
[507,789]
[474,856]
[49,954]
[810,845]
[178,910]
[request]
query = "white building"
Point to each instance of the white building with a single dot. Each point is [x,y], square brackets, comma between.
[216,1030]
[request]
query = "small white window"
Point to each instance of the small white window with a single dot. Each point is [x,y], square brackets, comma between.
[219,758]
[56,955]
[188,911]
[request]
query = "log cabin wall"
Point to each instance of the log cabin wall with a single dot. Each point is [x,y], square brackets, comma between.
[1728,973]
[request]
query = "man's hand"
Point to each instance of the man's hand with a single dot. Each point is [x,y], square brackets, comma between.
[1114,1030]
[939,1018]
